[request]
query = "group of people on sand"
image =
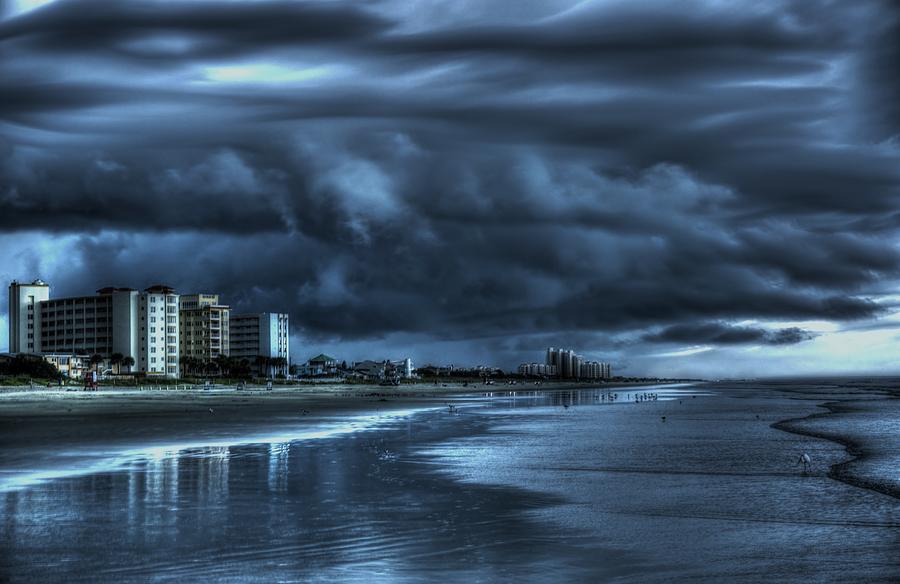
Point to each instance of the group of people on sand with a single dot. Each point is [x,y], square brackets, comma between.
[90,381]
[642,397]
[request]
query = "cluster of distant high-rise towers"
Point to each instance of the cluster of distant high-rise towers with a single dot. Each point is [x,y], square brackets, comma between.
[570,365]
[566,364]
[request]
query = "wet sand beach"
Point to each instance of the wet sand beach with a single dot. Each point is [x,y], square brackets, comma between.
[538,486]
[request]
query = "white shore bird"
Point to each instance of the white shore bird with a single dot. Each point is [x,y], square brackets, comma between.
[805,460]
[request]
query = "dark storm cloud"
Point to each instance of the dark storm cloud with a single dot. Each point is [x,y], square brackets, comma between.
[601,170]
[882,93]
[158,29]
[718,333]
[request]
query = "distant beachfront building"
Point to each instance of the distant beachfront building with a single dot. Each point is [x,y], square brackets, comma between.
[140,325]
[321,364]
[71,366]
[537,370]
[265,335]
[205,327]
[569,365]
[369,369]
[405,366]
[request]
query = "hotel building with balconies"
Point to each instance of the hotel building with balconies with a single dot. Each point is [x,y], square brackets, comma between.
[205,327]
[141,325]
[264,335]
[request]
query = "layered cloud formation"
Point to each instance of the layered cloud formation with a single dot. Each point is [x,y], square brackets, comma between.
[460,180]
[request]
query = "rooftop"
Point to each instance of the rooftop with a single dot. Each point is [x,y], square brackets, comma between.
[160,289]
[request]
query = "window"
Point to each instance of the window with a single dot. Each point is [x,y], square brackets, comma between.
[152,319]
[153,359]
[152,309]
[152,329]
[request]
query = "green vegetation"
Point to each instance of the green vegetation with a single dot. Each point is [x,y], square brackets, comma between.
[21,369]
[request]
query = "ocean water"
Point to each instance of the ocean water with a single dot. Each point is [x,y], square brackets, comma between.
[531,486]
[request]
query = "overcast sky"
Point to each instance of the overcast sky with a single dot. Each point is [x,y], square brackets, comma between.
[702,187]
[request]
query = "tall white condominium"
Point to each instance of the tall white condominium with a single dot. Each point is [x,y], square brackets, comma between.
[24,316]
[204,327]
[158,336]
[265,335]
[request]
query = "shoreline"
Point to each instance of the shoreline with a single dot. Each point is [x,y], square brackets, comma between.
[839,471]
[15,401]
[181,385]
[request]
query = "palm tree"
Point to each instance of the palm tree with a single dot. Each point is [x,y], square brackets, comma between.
[231,365]
[222,363]
[95,360]
[116,361]
[128,362]
[279,363]
[262,365]
[243,368]
[190,364]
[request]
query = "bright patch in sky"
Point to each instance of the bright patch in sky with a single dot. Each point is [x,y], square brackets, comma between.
[683,352]
[20,6]
[265,73]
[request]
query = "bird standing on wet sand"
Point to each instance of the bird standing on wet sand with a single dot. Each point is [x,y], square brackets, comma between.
[211,411]
[805,461]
